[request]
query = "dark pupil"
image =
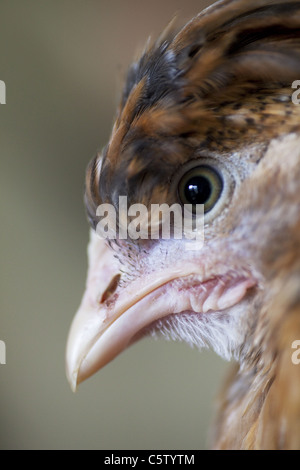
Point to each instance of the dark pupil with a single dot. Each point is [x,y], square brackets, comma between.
[198,190]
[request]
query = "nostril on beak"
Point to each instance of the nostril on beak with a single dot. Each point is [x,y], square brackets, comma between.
[110,288]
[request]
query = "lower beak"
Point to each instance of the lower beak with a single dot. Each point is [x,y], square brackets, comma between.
[107,322]
[113,316]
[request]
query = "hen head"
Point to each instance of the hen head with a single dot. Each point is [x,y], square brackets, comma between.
[206,118]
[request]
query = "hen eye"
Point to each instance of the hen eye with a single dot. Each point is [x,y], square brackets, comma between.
[201,185]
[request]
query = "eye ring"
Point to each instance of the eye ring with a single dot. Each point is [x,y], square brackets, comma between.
[202,184]
[226,180]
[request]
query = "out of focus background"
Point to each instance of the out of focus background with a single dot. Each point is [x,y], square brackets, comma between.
[63,63]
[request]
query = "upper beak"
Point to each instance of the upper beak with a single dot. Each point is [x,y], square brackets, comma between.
[112,316]
[107,321]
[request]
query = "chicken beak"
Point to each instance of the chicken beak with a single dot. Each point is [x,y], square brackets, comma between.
[102,328]
[114,314]
[91,318]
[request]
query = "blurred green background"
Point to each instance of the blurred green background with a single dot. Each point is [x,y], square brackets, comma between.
[63,63]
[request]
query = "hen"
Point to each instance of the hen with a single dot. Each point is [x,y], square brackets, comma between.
[207,118]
